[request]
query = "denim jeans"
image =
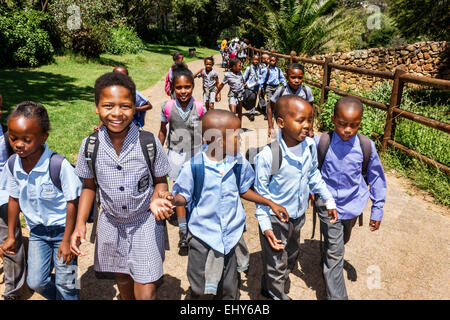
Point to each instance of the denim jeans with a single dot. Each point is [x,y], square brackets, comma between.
[42,258]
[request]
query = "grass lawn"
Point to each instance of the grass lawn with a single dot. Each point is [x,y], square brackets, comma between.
[66,89]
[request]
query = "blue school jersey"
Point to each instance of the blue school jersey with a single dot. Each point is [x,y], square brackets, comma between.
[219,218]
[139,117]
[40,200]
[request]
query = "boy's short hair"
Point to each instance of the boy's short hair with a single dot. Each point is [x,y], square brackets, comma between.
[114,79]
[32,110]
[282,103]
[121,67]
[176,55]
[234,62]
[209,58]
[295,66]
[273,56]
[347,102]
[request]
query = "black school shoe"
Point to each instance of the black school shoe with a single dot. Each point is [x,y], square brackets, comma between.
[251,117]
[182,244]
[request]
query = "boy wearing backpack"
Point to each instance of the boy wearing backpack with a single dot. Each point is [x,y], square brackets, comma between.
[270,79]
[212,183]
[285,172]
[349,163]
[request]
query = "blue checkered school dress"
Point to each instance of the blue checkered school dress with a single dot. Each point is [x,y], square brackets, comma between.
[129,239]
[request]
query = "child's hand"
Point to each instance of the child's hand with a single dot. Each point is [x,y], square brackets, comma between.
[78,237]
[161,208]
[311,199]
[218,98]
[270,132]
[165,195]
[273,241]
[8,247]
[333,214]
[374,225]
[64,250]
[280,211]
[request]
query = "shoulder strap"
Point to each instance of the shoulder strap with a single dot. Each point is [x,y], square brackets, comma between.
[277,157]
[11,162]
[305,92]
[282,91]
[279,73]
[267,76]
[199,105]
[248,73]
[366,148]
[148,145]
[55,165]
[198,174]
[168,108]
[322,147]
[90,152]
[237,172]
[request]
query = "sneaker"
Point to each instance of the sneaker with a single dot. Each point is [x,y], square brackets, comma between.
[251,117]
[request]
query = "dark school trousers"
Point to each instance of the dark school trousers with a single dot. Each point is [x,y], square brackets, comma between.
[335,237]
[228,287]
[279,264]
[14,266]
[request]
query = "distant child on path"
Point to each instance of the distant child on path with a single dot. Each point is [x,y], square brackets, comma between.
[177,57]
[349,163]
[289,186]
[50,210]
[251,77]
[295,86]
[264,65]
[210,82]
[130,240]
[212,184]
[184,139]
[142,103]
[236,82]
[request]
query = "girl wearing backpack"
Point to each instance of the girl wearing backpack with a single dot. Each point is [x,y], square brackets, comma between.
[50,210]
[180,123]
[177,58]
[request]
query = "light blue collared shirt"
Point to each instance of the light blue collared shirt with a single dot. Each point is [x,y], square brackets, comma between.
[4,195]
[341,171]
[251,76]
[275,77]
[139,116]
[290,186]
[219,218]
[40,201]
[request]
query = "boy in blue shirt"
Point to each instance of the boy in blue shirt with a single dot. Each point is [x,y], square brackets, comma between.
[289,186]
[342,170]
[217,217]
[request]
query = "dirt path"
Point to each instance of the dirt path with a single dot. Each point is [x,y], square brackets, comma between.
[407,258]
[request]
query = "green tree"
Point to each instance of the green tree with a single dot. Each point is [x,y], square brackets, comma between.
[421,18]
[306,26]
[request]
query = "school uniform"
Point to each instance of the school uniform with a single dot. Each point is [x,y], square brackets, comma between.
[288,187]
[129,239]
[139,116]
[251,77]
[236,83]
[215,225]
[44,207]
[209,85]
[14,265]
[273,81]
[262,103]
[303,91]
[184,137]
[341,171]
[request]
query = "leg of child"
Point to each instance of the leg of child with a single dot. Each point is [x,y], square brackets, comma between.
[333,256]
[293,249]
[125,284]
[14,265]
[228,288]
[145,291]
[182,225]
[242,255]
[239,110]
[65,276]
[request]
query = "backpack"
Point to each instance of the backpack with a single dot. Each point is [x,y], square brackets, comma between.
[322,149]
[171,103]
[148,146]
[168,85]
[198,173]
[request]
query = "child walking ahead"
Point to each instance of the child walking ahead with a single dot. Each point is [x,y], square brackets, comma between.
[47,200]
[288,183]
[184,139]
[210,82]
[212,183]
[349,163]
[236,82]
[130,241]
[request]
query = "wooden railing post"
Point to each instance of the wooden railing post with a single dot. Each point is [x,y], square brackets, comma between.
[325,81]
[293,54]
[396,96]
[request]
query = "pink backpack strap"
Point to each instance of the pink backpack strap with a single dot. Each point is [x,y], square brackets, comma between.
[199,105]
[168,108]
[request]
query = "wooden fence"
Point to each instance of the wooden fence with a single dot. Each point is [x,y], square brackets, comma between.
[399,77]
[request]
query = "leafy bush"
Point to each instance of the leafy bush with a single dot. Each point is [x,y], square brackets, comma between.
[24,38]
[124,40]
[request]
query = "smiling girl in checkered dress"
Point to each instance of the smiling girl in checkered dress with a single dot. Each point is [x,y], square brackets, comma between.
[130,239]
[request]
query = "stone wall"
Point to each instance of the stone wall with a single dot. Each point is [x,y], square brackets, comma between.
[429,59]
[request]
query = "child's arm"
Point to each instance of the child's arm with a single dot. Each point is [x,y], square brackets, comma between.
[9,245]
[198,72]
[86,201]
[280,211]
[218,95]
[145,107]
[160,209]
[271,130]
[282,79]
[64,247]
[220,87]
[162,132]
[377,182]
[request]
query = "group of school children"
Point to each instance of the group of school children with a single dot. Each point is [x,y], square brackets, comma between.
[127,168]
